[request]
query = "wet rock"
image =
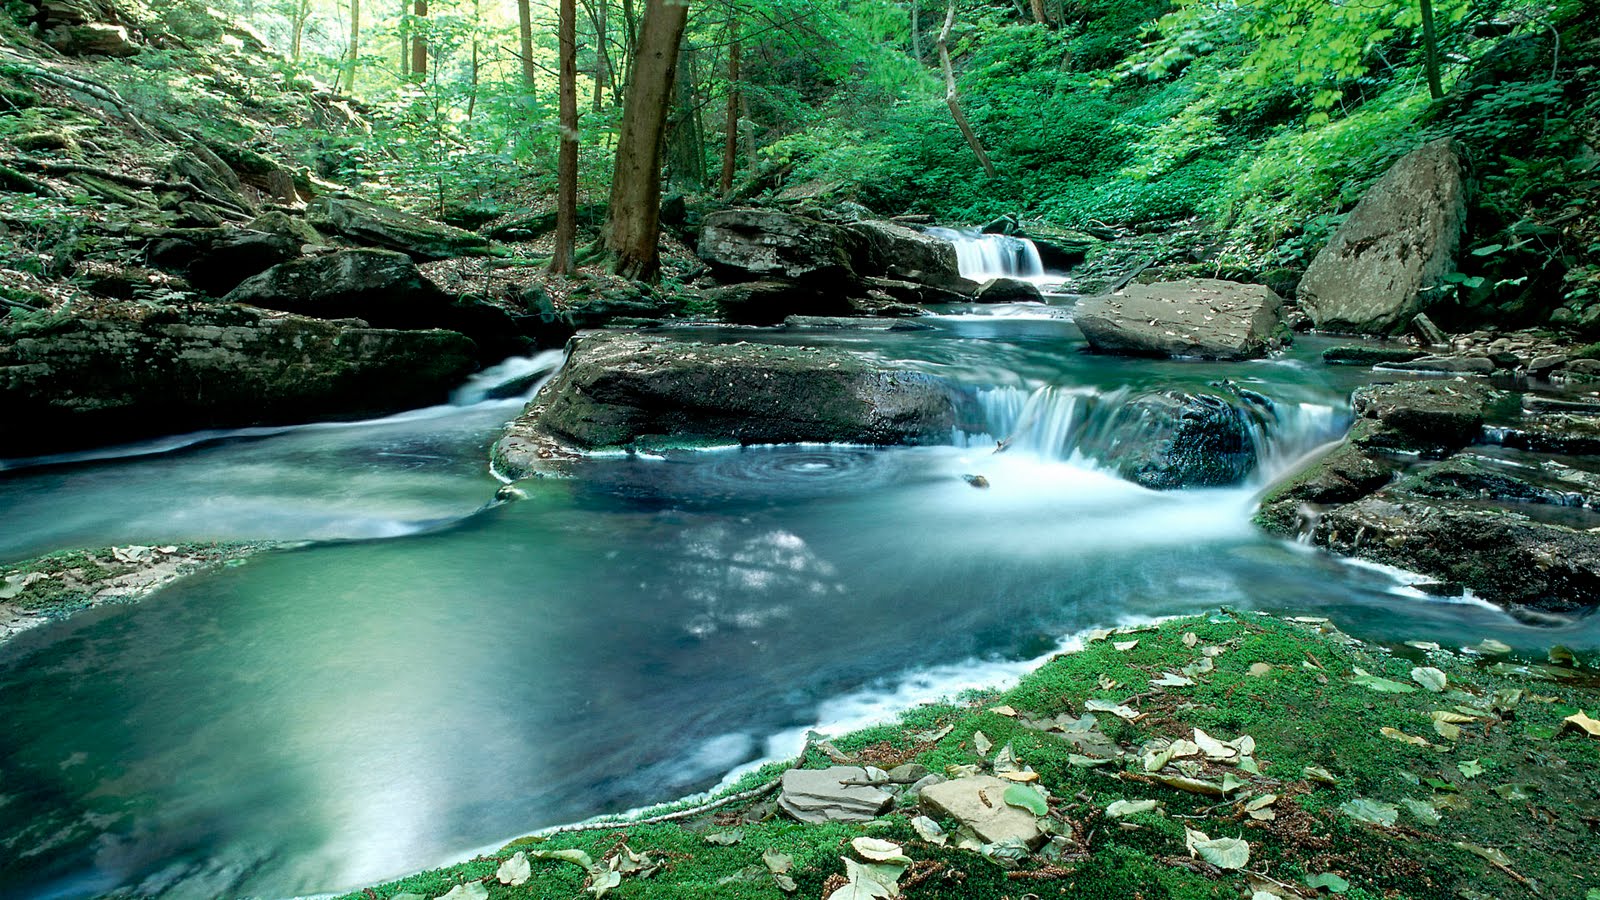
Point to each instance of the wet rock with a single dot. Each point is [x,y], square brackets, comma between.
[1008,290]
[1344,475]
[1370,356]
[1566,433]
[1461,365]
[978,802]
[1430,334]
[1399,241]
[1470,477]
[835,794]
[128,372]
[851,323]
[1197,318]
[618,388]
[284,225]
[954,290]
[885,248]
[1166,440]
[1505,556]
[1543,365]
[753,244]
[770,301]
[216,260]
[372,225]
[1431,417]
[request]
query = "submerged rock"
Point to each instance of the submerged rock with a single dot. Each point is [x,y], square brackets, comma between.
[1344,475]
[1008,290]
[1399,241]
[128,372]
[835,794]
[372,225]
[1199,317]
[978,802]
[618,388]
[1167,440]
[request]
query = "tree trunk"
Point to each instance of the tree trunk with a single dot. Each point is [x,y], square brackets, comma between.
[1038,12]
[567,161]
[686,161]
[405,39]
[602,54]
[472,98]
[1430,49]
[633,221]
[301,13]
[419,44]
[950,97]
[355,48]
[525,25]
[916,30]
[730,138]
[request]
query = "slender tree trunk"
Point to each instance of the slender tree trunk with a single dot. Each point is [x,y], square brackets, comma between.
[525,48]
[472,97]
[686,161]
[567,160]
[730,137]
[301,13]
[1038,12]
[1430,49]
[419,44]
[602,54]
[355,48]
[633,221]
[630,44]
[952,100]
[405,39]
[916,30]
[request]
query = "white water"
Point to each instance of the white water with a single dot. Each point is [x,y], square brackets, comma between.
[984,256]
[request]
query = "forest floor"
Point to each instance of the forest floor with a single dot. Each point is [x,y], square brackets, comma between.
[1217,757]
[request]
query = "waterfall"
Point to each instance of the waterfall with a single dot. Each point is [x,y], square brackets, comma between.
[1088,426]
[517,377]
[984,256]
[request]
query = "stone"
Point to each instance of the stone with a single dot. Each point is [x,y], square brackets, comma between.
[823,795]
[1166,440]
[1431,417]
[1541,365]
[1200,317]
[770,301]
[205,170]
[1369,356]
[1008,290]
[1399,242]
[978,802]
[752,244]
[1466,476]
[617,388]
[1344,475]
[910,773]
[373,225]
[381,287]
[216,260]
[1459,365]
[888,249]
[125,371]
[1430,334]
[92,39]
[285,225]
[1566,433]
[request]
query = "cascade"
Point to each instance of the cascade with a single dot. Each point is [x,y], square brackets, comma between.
[984,256]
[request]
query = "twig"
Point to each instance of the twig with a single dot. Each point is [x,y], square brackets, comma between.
[18,304]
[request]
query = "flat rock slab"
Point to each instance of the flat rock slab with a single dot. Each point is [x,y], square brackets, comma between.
[979,802]
[828,795]
[1199,317]
[1427,416]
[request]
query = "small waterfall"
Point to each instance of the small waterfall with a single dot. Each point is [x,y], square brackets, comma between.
[984,256]
[1089,427]
[519,376]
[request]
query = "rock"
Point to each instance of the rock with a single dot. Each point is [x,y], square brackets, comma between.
[126,372]
[1008,290]
[1431,417]
[216,260]
[854,323]
[384,289]
[618,388]
[205,170]
[978,803]
[821,795]
[1165,440]
[956,290]
[1541,365]
[92,39]
[1469,477]
[284,225]
[1200,317]
[1369,356]
[752,244]
[381,226]
[1399,241]
[1344,475]
[1504,556]
[887,249]
[1569,434]
[910,773]
[1460,365]
[770,301]
[1430,334]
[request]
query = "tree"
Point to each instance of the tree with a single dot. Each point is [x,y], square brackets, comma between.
[419,42]
[952,100]
[633,221]
[355,48]
[1430,50]
[525,31]
[567,162]
[730,138]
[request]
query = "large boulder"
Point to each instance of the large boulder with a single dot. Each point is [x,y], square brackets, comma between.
[129,372]
[770,301]
[617,389]
[216,260]
[752,244]
[372,225]
[1008,290]
[381,287]
[1434,418]
[1165,440]
[1344,475]
[888,249]
[1199,317]
[1398,242]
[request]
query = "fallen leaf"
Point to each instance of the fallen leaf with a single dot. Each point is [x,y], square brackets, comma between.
[1395,734]
[1020,776]
[1192,785]
[880,851]
[1366,679]
[1190,639]
[1259,669]
[1489,853]
[1429,646]
[933,737]
[1202,666]
[1125,645]
[1329,882]
[1116,709]
[576,857]
[1580,721]
[981,743]
[868,881]
[1447,730]
[1225,853]
[1261,802]
[1121,808]
[472,890]
[1472,768]
[515,871]
[777,863]
[1492,647]
[1213,748]
[785,884]
[1424,812]
[1430,678]
[1003,711]
[1318,773]
[725,838]
[929,830]
[1172,679]
[1372,812]
[602,882]
[1024,797]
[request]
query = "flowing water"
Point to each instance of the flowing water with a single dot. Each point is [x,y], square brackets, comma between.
[983,256]
[433,674]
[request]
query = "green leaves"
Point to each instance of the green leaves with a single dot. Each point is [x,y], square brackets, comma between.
[1371,812]
[1329,882]
[1382,685]
[1225,853]
[1025,797]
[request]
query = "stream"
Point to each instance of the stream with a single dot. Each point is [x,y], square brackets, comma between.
[429,673]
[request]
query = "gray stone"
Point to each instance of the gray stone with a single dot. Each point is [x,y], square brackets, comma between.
[1460,365]
[216,260]
[823,795]
[910,773]
[1369,356]
[1431,334]
[1008,290]
[979,803]
[1165,440]
[762,243]
[769,301]
[372,225]
[1397,243]
[1344,475]
[1432,417]
[1542,364]
[885,248]
[1198,318]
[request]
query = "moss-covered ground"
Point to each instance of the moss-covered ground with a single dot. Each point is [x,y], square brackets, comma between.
[1487,790]
[61,583]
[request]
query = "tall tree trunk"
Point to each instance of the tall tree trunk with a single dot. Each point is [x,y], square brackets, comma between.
[525,30]
[298,23]
[633,221]
[355,48]
[730,138]
[1430,50]
[686,161]
[916,30]
[602,53]
[472,98]
[1038,12]
[567,159]
[419,43]
[405,39]
[952,100]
